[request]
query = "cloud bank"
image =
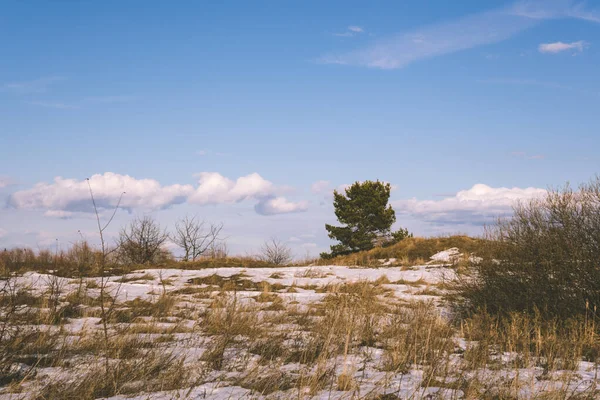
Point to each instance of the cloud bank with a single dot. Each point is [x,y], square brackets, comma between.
[475,206]
[64,198]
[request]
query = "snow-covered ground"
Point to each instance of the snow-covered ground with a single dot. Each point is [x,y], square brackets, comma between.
[289,292]
[287,276]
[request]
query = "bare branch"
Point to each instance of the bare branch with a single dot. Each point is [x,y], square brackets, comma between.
[275,252]
[142,241]
[114,212]
[194,237]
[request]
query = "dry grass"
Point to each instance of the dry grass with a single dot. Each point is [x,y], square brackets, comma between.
[273,346]
[417,336]
[152,371]
[409,251]
[135,278]
[266,382]
[222,262]
[550,344]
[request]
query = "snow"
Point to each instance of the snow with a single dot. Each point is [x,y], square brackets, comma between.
[402,283]
[449,256]
[305,276]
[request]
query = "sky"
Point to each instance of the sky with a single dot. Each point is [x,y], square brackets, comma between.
[251,113]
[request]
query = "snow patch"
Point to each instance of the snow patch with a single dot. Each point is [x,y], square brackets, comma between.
[449,256]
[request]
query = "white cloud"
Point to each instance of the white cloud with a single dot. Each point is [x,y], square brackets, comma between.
[558,47]
[475,206]
[279,205]
[202,152]
[65,198]
[552,9]
[468,32]
[214,188]
[58,214]
[402,49]
[74,195]
[320,187]
[3,233]
[351,31]
[357,29]
[579,12]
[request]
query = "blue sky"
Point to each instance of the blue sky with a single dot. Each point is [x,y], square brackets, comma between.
[174,103]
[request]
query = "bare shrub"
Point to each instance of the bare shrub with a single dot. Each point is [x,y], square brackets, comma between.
[543,259]
[218,250]
[83,259]
[275,252]
[55,287]
[20,259]
[142,242]
[195,237]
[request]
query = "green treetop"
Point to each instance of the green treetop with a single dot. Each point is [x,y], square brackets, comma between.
[366,216]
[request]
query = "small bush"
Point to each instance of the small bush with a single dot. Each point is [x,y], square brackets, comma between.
[276,253]
[142,242]
[543,259]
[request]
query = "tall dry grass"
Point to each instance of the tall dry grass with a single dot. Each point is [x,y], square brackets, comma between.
[409,251]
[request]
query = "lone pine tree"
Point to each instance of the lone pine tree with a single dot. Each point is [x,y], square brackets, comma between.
[367,217]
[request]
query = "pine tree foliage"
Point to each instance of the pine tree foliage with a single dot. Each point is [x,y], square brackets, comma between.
[366,215]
